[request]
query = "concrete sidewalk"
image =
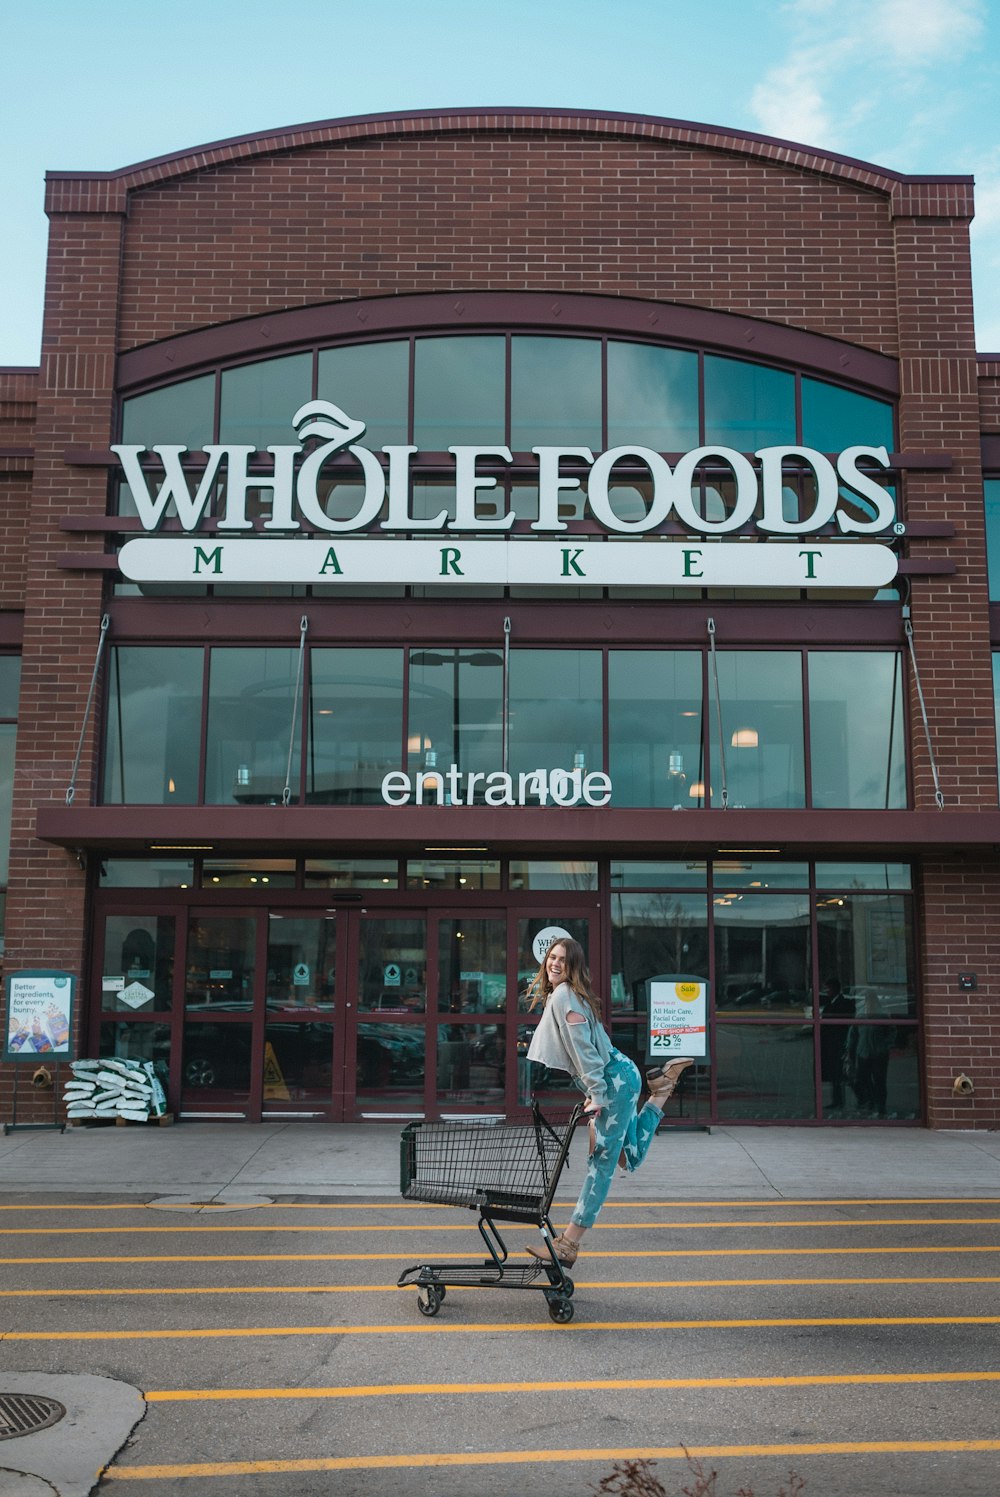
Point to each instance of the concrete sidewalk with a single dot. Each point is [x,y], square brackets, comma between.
[198,1160]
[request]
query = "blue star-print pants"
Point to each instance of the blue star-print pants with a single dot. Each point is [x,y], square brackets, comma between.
[617,1127]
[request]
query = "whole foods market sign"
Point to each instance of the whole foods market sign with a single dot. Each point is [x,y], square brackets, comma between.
[436,550]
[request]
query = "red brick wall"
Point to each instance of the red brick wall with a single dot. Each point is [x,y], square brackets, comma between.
[989,394]
[18,396]
[499,212]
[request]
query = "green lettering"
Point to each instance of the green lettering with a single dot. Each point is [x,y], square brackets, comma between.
[210,558]
[691,558]
[331,564]
[450,558]
[570,564]
[810,562]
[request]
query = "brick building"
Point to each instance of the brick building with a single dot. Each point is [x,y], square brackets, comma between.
[556,522]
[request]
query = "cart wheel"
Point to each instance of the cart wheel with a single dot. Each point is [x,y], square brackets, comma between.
[569,1288]
[561,1311]
[429,1298]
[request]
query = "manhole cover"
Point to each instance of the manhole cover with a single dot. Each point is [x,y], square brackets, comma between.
[23,1413]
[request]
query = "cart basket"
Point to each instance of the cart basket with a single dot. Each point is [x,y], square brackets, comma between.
[505,1170]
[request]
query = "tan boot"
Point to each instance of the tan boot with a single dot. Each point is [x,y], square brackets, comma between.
[565,1251]
[663,1079]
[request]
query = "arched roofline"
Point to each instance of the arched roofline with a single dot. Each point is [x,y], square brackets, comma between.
[272,334]
[69,191]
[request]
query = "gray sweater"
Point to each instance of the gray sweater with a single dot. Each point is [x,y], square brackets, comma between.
[581,1049]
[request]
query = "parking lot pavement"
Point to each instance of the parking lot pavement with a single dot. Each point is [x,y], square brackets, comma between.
[854,1341]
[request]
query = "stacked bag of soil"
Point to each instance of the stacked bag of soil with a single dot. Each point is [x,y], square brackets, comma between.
[109,1089]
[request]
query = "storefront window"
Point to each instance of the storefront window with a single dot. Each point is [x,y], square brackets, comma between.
[465,874]
[455,714]
[146,873]
[693,875]
[458,392]
[551,875]
[764,1072]
[138,963]
[833,419]
[153,726]
[250,698]
[248,873]
[221,958]
[371,382]
[655,935]
[258,401]
[856,729]
[555,710]
[555,393]
[183,414]
[654,728]
[761,697]
[472,965]
[352,873]
[991,489]
[996,702]
[470,1064]
[866,942]
[302,962]
[747,406]
[652,397]
[355,731]
[762,953]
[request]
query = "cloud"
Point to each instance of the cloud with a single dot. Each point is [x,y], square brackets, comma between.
[918,34]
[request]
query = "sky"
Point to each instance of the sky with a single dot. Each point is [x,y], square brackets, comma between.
[93,85]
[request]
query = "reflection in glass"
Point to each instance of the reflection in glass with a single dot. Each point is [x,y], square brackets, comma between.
[653,935]
[298,1065]
[455,714]
[470,1063]
[762,953]
[765,1072]
[652,397]
[250,697]
[867,941]
[216,1058]
[466,874]
[472,965]
[153,726]
[258,401]
[555,393]
[178,415]
[352,873]
[10,685]
[220,963]
[124,1040]
[654,727]
[302,961]
[390,1061]
[528,960]
[761,694]
[856,730]
[833,419]
[877,876]
[693,875]
[371,382]
[545,875]
[248,873]
[392,965]
[146,873]
[748,406]
[881,1066]
[458,392]
[355,724]
[755,873]
[138,970]
[555,710]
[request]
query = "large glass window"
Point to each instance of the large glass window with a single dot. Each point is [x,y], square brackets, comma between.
[455,713]
[857,743]
[654,727]
[762,952]
[555,393]
[747,406]
[761,696]
[10,684]
[458,392]
[370,381]
[652,397]
[833,419]
[154,725]
[250,699]
[258,401]
[655,935]
[555,710]
[991,490]
[355,724]
[183,413]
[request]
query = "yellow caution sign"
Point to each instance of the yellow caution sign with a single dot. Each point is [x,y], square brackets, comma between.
[274,1082]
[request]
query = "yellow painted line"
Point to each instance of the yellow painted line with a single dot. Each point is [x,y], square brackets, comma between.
[574,1385]
[776,1252]
[392,1205]
[480,1328]
[887,1221]
[58,1292]
[532,1457]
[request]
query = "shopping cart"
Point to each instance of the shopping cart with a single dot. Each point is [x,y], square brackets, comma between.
[505,1171]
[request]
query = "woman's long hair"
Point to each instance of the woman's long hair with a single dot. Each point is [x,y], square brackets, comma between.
[577,977]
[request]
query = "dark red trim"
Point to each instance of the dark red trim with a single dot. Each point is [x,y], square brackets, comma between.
[639,832]
[359,321]
[11,628]
[991,454]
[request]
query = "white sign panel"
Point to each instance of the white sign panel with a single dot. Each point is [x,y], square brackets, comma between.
[685,563]
[545,938]
[678,1017]
[39,1015]
[136,994]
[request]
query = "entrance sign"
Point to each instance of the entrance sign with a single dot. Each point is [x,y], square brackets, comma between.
[675,563]
[678,1018]
[845,497]
[455,787]
[39,1015]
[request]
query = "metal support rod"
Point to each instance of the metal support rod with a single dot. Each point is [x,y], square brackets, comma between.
[908,630]
[71,787]
[286,794]
[505,738]
[718,715]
